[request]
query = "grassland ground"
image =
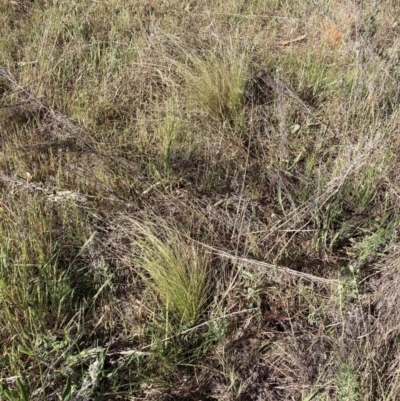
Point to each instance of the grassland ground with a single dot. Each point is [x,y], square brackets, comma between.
[199,200]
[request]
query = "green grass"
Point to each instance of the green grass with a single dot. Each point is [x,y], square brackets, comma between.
[175,272]
[216,82]
[199,200]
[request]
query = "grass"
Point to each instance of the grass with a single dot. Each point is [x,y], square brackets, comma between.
[199,200]
[175,272]
[216,82]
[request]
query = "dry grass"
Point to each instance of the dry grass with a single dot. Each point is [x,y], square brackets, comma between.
[199,201]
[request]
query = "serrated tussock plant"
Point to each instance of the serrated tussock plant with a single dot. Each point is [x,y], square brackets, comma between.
[215,82]
[175,271]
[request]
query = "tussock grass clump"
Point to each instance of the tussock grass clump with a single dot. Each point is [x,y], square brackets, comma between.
[215,81]
[176,272]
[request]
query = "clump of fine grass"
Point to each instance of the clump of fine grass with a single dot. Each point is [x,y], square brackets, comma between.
[216,81]
[175,271]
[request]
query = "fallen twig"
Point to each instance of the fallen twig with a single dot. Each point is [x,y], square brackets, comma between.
[289,41]
[269,267]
